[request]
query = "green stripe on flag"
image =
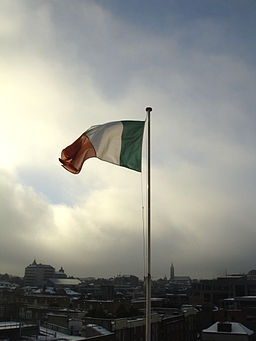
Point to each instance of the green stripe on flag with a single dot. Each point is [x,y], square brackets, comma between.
[131,147]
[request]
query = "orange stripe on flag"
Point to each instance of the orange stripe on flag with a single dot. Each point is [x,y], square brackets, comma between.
[73,156]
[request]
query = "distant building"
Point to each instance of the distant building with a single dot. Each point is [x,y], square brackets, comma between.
[251,275]
[60,273]
[214,291]
[64,282]
[38,274]
[178,284]
[183,280]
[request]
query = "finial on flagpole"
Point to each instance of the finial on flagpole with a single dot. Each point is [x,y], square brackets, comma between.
[149,109]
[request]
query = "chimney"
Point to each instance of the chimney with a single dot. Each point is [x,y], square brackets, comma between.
[224,327]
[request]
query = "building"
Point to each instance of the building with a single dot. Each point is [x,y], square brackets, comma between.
[97,332]
[227,331]
[164,327]
[64,283]
[241,309]
[14,331]
[182,280]
[60,273]
[214,291]
[38,274]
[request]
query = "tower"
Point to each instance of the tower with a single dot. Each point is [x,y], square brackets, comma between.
[172,272]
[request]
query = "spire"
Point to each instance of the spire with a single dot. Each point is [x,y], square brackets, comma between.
[172,272]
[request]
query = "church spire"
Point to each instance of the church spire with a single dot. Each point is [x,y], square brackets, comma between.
[172,272]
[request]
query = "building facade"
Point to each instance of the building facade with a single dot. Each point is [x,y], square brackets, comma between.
[38,274]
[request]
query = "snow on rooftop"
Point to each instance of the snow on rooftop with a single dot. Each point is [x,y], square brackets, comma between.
[48,334]
[71,292]
[237,328]
[99,329]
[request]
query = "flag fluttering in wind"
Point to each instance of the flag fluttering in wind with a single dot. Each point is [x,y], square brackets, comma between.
[115,142]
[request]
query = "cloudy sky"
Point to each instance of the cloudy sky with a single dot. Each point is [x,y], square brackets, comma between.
[68,65]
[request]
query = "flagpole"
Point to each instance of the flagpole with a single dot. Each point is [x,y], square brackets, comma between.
[148,283]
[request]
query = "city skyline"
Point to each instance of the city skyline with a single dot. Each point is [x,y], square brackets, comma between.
[66,66]
[169,275]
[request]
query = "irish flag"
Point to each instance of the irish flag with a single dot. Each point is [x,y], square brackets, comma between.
[116,142]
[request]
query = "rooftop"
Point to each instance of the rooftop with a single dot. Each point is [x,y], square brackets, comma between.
[236,328]
[65,281]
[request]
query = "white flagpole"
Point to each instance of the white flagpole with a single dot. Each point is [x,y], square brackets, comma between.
[148,284]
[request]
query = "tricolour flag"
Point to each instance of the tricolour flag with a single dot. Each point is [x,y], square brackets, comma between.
[116,142]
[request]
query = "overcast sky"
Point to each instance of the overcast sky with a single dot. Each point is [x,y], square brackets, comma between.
[68,65]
